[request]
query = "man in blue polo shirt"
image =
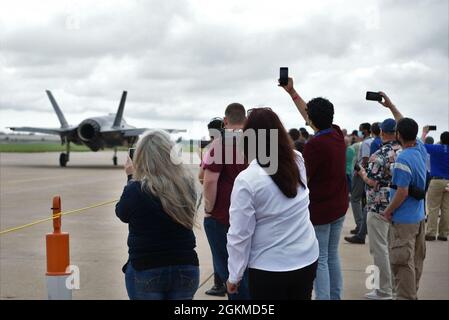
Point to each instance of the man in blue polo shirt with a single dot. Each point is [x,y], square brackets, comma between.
[438,196]
[406,211]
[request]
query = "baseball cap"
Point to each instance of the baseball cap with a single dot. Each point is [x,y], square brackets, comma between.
[388,125]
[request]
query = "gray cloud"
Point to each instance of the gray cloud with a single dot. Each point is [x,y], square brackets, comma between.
[180,65]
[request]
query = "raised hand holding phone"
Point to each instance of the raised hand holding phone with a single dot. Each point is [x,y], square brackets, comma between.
[299,102]
[129,168]
[386,101]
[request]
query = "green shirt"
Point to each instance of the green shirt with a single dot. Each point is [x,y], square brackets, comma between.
[350,153]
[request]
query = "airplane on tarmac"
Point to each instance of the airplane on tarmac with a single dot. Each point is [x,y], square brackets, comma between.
[96,133]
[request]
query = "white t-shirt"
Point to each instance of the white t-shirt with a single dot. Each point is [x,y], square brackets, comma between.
[365,151]
[269,231]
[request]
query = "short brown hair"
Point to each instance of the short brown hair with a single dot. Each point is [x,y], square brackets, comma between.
[235,113]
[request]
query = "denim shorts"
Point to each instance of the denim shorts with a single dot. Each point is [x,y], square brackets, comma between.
[178,282]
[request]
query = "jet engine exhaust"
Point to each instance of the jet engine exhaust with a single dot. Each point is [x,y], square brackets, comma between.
[88,130]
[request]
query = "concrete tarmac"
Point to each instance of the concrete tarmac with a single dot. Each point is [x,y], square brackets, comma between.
[98,239]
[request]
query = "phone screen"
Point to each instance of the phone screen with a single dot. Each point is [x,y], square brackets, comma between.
[131,152]
[283,76]
[373,96]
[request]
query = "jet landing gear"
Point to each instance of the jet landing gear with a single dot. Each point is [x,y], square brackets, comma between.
[64,157]
[114,158]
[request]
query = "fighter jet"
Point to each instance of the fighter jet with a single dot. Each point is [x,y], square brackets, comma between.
[96,133]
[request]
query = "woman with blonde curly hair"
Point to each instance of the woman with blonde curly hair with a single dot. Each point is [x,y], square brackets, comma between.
[159,204]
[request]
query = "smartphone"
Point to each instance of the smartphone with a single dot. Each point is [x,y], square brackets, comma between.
[283,76]
[373,96]
[432,128]
[131,152]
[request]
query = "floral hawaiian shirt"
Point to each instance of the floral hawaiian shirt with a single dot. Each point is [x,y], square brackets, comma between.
[380,166]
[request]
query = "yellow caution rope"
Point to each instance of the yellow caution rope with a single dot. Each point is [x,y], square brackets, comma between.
[56,216]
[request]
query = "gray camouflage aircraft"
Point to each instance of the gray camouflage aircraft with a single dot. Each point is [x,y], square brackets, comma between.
[96,133]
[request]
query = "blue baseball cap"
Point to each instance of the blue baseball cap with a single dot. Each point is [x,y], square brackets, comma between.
[388,125]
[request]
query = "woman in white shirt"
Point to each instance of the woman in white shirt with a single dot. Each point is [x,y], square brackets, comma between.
[270,230]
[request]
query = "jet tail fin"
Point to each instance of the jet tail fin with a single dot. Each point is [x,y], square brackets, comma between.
[58,111]
[119,115]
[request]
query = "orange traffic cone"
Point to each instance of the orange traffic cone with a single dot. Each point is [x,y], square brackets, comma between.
[58,257]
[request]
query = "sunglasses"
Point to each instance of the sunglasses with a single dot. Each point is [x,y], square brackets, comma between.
[253,109]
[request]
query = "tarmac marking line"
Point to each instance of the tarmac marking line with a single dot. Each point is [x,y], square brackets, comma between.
[39,179]
[207,279]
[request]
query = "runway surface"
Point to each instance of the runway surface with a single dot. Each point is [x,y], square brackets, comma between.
[98,239]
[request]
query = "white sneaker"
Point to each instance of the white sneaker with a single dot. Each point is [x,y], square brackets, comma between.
[373,295]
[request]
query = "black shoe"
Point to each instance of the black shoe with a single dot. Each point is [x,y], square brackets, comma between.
[217,291]
[355,239]
[430,238]
[354,231]
[441,238]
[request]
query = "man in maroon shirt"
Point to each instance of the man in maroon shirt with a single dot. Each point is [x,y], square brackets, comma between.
[325,160]
[222,164]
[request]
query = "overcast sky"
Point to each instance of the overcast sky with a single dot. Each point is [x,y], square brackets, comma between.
[183,62]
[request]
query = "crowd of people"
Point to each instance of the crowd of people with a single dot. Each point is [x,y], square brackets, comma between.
[276,235]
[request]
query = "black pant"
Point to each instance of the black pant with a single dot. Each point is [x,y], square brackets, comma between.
[217,281]
[288,285]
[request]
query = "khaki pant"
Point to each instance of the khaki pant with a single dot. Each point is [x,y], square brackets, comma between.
[407,253]
[438,199]
[378,247]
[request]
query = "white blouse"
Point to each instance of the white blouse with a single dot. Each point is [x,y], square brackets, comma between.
[269,231]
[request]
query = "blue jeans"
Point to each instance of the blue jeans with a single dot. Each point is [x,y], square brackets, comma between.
[209,229]
[216,233]
[165,283]
[329,282]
